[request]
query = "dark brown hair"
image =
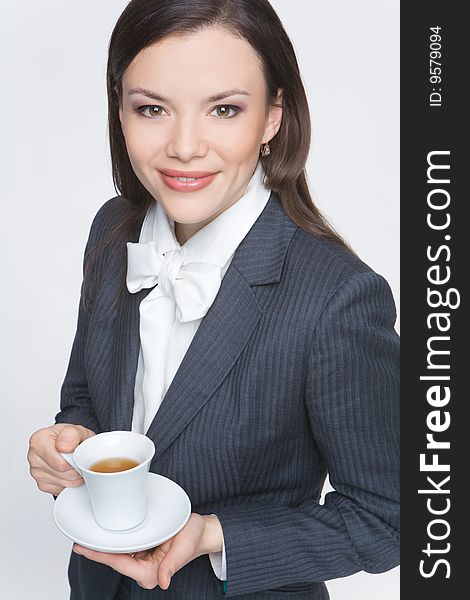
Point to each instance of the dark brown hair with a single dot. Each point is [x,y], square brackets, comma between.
[145,22]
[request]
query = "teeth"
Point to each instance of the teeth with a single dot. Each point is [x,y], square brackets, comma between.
[185,178]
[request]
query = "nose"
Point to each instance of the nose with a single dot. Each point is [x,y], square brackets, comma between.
[187,140]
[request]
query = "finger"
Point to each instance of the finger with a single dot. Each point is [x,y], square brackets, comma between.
[164,577]
[165,547]
[44,453]
[176,557]
[123,563]
[50,470]
[142,567]
[167,567]
[52,484]
[40,464]
[50,489]
[46,476]
[70,437]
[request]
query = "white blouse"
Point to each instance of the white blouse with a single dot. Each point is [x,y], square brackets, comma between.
[186,280]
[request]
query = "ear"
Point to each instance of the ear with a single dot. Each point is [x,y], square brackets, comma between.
[274,118]
[120,114]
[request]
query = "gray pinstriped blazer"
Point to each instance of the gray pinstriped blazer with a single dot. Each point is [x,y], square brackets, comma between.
[292,373]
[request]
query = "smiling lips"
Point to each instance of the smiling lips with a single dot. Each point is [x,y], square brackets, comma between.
[186,181]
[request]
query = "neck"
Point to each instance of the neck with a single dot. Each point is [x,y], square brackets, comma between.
[183,231]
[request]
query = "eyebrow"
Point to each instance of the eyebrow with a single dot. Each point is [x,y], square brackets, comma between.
[214,98]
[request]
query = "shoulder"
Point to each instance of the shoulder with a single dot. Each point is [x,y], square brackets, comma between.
[115,223]
[110,216]
[319,255]
[331,275]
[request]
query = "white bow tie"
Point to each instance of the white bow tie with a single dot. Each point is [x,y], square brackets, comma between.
[193,286]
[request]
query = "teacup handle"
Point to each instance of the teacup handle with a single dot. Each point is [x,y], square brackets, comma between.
[69,458]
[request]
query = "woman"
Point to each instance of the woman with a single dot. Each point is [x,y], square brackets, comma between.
[224,318]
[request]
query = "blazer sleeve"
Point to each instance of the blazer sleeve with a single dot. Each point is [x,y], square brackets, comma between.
[352,402]
[75,405]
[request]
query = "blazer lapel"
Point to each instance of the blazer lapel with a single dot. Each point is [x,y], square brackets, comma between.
[126,349]
[213,351]
[227,326]
[126,355]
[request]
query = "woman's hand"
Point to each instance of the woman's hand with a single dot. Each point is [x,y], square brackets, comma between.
[51,472]
[201,535]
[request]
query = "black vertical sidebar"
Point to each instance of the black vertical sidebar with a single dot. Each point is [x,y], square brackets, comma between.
[435,255]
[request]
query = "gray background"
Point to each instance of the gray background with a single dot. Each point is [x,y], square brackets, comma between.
[56,174]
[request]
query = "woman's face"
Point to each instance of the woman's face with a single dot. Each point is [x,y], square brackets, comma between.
[183,129]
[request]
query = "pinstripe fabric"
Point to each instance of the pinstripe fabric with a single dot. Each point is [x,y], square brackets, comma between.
[292,373]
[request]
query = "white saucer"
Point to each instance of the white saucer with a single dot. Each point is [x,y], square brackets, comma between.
[168,510]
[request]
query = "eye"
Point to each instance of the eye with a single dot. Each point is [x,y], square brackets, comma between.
[223,111]
[153,110]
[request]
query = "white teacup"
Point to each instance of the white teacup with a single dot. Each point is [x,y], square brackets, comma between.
[118,499]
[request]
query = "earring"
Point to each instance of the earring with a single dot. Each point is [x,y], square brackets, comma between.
[265,150]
